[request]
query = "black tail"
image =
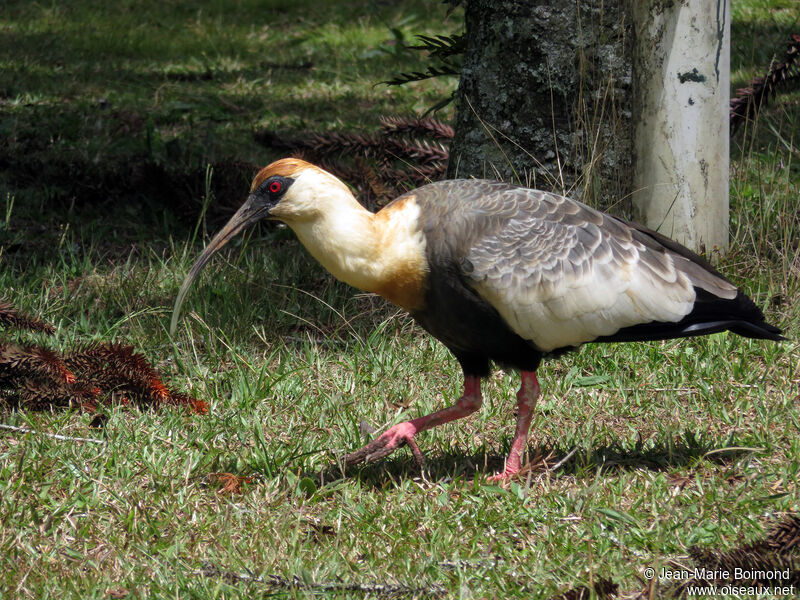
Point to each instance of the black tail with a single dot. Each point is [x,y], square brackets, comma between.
[710,315]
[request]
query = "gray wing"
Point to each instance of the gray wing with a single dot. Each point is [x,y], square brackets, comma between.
[561,273]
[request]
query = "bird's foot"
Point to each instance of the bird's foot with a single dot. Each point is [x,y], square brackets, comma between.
[503,476]
[403,433]
[386,443]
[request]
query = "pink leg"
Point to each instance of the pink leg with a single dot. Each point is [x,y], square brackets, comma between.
[526,401]
[403,433]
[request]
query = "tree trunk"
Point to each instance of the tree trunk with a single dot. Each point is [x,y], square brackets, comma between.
[543,97]
[681,109]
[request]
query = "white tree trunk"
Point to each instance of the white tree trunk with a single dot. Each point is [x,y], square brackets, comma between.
[681,104]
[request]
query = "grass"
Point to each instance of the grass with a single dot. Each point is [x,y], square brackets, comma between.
[677,443]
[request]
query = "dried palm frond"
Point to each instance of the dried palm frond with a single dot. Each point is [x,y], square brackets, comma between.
[42,394]
[21,362]
[749,100]
[761,563]
[120,371]
[11,317]
[785,536]
[36,377]
[404,153]
[419,127]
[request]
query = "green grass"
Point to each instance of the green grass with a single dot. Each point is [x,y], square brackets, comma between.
[677,443]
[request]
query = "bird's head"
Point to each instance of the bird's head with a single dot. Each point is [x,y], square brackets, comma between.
[289,190]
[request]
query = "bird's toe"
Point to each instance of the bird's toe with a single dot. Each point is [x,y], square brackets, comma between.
[503,476]
[385,444]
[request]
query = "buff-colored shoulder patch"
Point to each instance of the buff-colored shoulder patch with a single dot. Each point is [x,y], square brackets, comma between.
[404,208]
[403,250]
[285,167]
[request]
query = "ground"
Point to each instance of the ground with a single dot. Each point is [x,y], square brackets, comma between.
[112,111]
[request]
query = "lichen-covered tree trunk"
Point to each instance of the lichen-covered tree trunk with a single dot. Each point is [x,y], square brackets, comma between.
[544,94]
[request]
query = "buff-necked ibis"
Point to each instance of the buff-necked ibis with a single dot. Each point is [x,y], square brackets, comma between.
[499,274]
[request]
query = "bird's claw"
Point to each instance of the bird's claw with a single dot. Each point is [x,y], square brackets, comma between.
[503,476]
[399,435]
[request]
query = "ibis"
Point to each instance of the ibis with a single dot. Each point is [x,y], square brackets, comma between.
[501,274]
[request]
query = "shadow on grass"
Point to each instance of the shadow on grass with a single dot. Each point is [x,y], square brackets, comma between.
[581,462]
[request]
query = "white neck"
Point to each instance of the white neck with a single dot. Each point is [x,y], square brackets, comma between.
[345,242]
[382,253]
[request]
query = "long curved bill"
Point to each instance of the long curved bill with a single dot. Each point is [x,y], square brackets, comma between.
[248,213]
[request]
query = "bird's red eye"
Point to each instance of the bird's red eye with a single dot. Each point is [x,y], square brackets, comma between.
[275,187]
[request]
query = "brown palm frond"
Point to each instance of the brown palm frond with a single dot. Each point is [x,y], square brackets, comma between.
[117,367]
[404,153]
[417,127]
[11,317]
[766,561]
[20,362]
[37,377]
[127,375]
[785,536]
[761,90]
[42,394]
[373,180]
[420,151]
[180,399]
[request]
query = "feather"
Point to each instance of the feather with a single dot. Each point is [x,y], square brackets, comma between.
[560,273]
